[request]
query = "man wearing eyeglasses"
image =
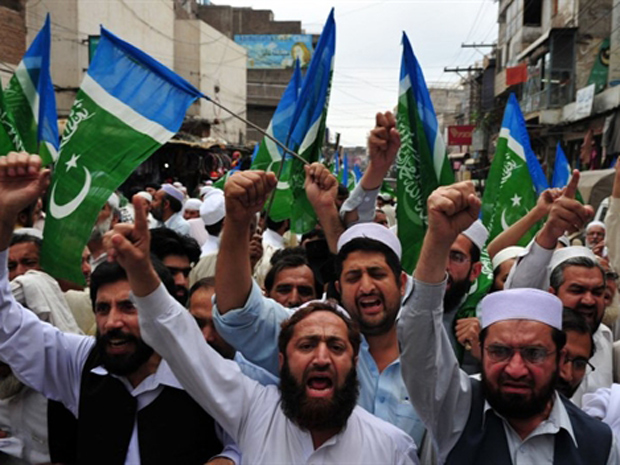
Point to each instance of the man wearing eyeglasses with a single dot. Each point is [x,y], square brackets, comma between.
[514,415]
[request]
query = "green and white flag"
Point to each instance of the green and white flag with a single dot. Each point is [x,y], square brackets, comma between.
[31,100]
[422,162]
[128,106]
[515,179]
[10,139]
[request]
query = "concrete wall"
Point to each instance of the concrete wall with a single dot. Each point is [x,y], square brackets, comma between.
[12,36]
[218,68]
[147,25]
[230,21]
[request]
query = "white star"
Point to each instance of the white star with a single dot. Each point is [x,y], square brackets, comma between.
[73,162]
[516,201]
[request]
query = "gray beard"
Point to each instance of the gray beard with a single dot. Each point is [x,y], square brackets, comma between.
[100,229]
[9,386]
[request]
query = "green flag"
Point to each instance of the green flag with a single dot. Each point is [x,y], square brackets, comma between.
[127,107]
[9,135]
[515,179]
[422,161]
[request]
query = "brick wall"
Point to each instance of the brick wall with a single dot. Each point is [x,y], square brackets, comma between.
[12,31]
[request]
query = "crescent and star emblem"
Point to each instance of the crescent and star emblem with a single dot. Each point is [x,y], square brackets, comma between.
[62,211]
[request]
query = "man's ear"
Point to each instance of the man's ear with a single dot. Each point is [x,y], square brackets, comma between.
[552,291]
[337,286]
[403,283]
[476,269]
[280,361]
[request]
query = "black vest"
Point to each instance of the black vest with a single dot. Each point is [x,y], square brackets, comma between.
[173,429]
[487,444]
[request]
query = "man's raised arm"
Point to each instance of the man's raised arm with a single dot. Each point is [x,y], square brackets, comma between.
[245,194]
[321,189]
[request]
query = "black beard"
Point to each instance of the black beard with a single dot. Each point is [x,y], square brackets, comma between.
[180,294]
[317,414]
[564,388]
[595,326]
[454,295]
[515,405]
[122,365]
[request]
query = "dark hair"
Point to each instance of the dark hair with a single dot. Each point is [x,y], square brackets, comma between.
[290,258]
[25,238]
[175,204]
[288,326]
[112,272]
[133,191]
[274,225]
[203,283]
[574,321]
[558,337]
[216,228]
[314,233]
[166,242]
[369,245]
[152,185]
[557,275]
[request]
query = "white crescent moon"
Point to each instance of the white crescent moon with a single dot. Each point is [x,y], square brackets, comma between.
[282,185]
[505,225]
[62,211]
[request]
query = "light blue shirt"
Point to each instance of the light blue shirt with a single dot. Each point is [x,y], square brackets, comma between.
[254,330]
[177,224]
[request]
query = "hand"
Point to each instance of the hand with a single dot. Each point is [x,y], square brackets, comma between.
[451,210]
[321,186]
[598,249]
[546,199]
[566,215]
[256,249]
[246,193]
[22,182]
[383,142]
[129,244]
[467,333]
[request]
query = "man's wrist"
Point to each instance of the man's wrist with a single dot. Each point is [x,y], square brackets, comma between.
[546,239]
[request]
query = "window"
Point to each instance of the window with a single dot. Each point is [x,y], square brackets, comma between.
[532,13]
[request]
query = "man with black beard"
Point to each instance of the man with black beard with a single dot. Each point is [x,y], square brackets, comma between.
[514,416]
[311,417]
[178,253]
[123,395]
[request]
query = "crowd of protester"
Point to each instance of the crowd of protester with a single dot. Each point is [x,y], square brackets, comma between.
[209,333]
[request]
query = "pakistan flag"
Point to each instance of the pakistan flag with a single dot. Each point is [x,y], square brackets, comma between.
[515,179]
[128,106]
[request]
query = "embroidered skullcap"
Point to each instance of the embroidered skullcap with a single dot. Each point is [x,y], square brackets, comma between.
[566,253]
[371,231]
[212,209]
[522,304]
[506,254]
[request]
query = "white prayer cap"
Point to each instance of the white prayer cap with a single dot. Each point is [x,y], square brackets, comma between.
[385,197]
[522,304]
[114,202]
[506,254]
[566,253]
[29,231]
[145,195]
[183,189]
[173,191]
[477,233]
[595,223]
[177,184]
[204,190]
[192,204]
[371,231]
[212,209]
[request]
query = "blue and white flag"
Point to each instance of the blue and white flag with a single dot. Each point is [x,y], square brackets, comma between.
[561,169]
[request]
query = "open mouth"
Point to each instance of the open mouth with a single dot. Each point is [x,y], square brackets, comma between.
[319,385]
[370,304]
[118,346]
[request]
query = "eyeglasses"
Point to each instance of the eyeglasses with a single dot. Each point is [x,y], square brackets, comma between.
[458,257]
[580,364]
[531,354]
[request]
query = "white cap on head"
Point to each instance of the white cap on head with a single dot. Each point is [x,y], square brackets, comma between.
[212,209]
[204,190]
[371,231]
[114,201]
[522,304]
[477,233]
[173,191]
[600,224]
[145,195]
[28,232]
[506,254]
[566,253]
[192,204]
[177,184]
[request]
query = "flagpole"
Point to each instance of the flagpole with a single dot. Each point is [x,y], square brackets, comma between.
[262,131]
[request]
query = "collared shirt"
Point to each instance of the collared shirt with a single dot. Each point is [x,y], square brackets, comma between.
[251,413]
[178,224]
[442,393]
[51,362]
[254,331]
